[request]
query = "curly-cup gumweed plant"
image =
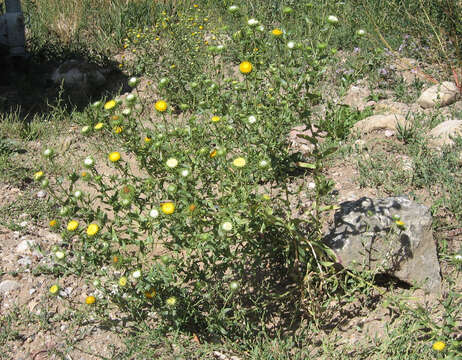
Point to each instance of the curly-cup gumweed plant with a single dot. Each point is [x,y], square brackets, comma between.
[196,222]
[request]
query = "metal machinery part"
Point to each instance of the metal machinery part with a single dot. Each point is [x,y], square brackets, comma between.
[12,34]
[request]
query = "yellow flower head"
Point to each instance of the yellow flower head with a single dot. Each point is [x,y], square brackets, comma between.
[92,229]
[399,223]
[147,139]
[54,289]
[122,281]
[114,156]
[215,118]
[239,162]
[439,346]
[171,301]
[161,106]
[53,223]
[98,126]
[110,104]
[167,208]
[38,175]
[245,67]
[213,153]
[90,300]
[192,207]
[276,32]
[72,225]
[118,129]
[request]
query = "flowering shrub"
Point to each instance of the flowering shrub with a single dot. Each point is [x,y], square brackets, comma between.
[198,222]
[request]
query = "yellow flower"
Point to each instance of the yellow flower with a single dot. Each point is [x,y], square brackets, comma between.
[161,106]
[399,223]
[439,346]
[38,175]
[123,281]
[192,207]
[215,118]
[90,300]
[147,139]
[98,126]
[114,156]
[110,104]
[213,153]
[54,289]
[171,301]
[92,229]
[239,162]
[245,67]
[118,129]
[167,208]
[150,294]
[276,32]
[72,225]
[53,223]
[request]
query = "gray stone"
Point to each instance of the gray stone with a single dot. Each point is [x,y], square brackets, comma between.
[443,133]
[441,94]
[379,122]
[367,237]
[8,285]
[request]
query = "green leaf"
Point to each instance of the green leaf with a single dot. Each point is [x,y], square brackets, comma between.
[311,139]
[326,263]
[305,165]
[329,207]
[329,151]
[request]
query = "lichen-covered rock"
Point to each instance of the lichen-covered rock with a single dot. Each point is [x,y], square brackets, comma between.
[366,236]
[441,94]
[444,133]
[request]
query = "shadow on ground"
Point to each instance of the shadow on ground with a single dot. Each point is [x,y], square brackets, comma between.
[32,86]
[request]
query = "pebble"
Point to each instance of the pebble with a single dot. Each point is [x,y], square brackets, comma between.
[25,261]
[23,223]
[32,291]
[389,133]
[41,194]
[24,246]
[8,285]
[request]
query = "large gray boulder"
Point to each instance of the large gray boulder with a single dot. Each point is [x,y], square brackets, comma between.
[368,236]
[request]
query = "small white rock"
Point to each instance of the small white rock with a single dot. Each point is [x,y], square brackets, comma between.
[8,285]
[41,194]
[25,261]
[25,246]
